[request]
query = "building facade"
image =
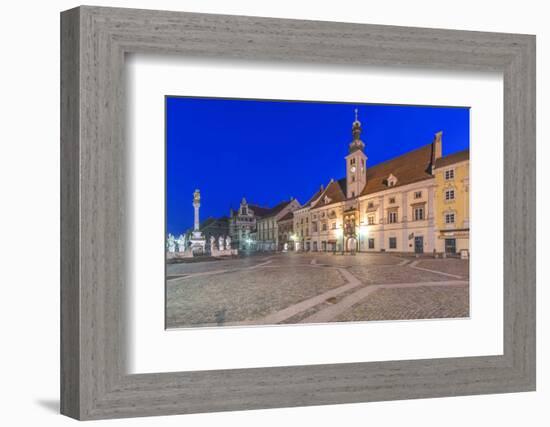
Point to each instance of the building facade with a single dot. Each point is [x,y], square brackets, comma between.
[285,229]
[242,225]
[452,176]
[268,225]
[390,207]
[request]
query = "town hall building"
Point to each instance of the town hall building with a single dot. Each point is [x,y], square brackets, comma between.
[389,207]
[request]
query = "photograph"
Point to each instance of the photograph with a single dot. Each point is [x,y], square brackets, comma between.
[282,212]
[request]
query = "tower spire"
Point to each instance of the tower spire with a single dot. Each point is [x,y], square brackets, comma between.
[356,130]
[356,161]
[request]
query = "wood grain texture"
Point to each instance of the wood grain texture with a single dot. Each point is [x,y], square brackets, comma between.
[70,292]
[94,382]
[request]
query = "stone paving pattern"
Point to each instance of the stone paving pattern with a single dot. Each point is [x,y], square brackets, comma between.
[247,290]
[449,265]
[425,302]
[244,295]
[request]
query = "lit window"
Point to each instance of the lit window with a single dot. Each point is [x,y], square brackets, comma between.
[449,195]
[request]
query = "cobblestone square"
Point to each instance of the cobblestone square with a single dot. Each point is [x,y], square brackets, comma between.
[315,288]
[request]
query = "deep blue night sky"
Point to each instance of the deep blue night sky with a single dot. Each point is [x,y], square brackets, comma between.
[268,151]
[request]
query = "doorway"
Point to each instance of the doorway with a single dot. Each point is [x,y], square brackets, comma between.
[450,246]
[419,244]
[351,245]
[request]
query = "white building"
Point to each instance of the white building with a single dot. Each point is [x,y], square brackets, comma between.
[267,226]
[388,207]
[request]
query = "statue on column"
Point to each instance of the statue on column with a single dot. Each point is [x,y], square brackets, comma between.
[228,243]
[196,205]
[197,240]
[220,243]
[212,243]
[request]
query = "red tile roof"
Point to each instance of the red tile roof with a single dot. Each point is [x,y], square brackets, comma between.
[410,167]
[451,159]
[334,193]
[288,216]
[274,210]
[258,210]
[314,197]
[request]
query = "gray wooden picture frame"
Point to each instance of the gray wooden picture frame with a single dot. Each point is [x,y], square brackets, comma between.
[94,381]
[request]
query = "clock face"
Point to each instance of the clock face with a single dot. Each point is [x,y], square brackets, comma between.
[353,168]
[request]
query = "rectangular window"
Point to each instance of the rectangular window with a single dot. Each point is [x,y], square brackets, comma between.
[392,200]
[314,225]
[449,195]
[449,218]
[392,217]
[393,243]
[370,205]
[334,226]
[370,219]
[371,243]
[418,194]
[418,214]
[353,192]
[324,226]
[450,174]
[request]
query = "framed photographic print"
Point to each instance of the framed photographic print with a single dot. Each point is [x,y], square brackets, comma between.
[262,213]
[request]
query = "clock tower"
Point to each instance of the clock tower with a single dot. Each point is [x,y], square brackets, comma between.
[356,162]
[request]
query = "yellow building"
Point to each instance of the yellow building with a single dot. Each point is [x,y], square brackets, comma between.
[452,203]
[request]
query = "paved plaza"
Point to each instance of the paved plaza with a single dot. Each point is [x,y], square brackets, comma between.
[315,288]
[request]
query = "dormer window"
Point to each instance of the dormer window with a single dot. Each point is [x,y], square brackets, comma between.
[449,174]
[392,180]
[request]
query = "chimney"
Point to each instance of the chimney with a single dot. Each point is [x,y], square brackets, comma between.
[436,151]
[437,145]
